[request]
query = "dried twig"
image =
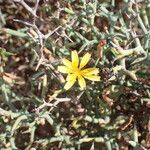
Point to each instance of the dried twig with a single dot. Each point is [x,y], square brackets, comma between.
[27,7]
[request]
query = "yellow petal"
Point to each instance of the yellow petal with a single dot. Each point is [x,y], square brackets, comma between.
[85,59]
[92,77]
[75,58]
[90,71]
[71,77]
[69,84]
[63,69]
[67,63]
[82,82]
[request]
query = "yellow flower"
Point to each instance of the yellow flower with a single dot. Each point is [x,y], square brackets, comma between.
[75,70]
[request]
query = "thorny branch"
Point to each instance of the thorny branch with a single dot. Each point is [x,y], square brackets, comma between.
[28,8]
[52,105]
[41,37]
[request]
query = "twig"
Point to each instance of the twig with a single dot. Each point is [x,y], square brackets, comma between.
[23,22]
[50,33]
[29,9]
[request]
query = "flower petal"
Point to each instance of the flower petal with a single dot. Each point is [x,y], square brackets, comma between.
[92,77]
[69,84]
[75,58]
[85,59]
[90,71]
[71,77]
[81,82]
[63,69]
[67,63]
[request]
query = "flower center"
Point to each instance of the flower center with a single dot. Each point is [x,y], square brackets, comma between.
[76,71]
